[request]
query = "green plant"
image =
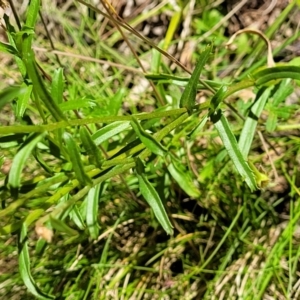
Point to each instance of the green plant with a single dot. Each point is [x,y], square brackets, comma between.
[78,160]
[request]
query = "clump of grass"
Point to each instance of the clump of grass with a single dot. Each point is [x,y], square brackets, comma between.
[125,177]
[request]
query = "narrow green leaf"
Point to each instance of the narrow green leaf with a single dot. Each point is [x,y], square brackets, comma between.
[153,199]
[233,150]
[23,100]
[32,13]
[28,59]
[24,266]
[276,106]
[57,86]
[9,49]
[109,131]
[39,87]
[89,145]
[173,25]
[188,97]
[284,90]
[147,139]
[40,247]
[92,211]
[11,93]
[184,179]
[76,217]
[62,226]
[156,58]
[10,35]
[115,102]
[20,159]
[248,131]
[280,72]
[75,158]
[217,99]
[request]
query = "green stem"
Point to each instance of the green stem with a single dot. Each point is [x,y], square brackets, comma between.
[64,124]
